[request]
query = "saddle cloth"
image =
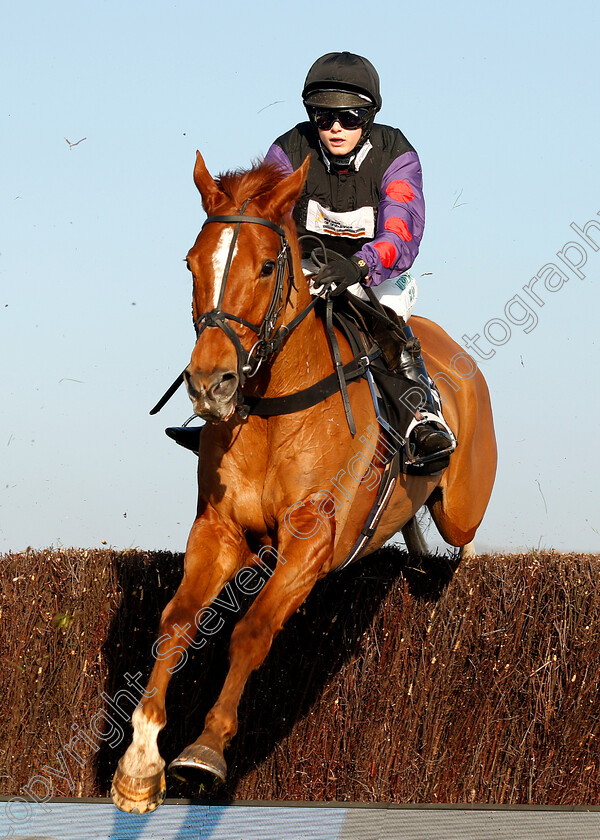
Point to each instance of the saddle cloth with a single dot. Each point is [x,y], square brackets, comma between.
[387,386]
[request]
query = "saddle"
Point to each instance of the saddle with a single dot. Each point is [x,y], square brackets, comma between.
[366,325]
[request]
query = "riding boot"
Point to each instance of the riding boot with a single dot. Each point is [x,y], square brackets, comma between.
[186,436]
[430,435]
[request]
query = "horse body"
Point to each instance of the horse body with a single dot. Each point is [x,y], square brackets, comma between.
[299,486]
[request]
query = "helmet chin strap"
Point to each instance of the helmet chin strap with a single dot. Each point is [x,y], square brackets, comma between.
[337,162]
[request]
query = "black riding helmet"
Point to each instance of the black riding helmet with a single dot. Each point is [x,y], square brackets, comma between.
[343,80]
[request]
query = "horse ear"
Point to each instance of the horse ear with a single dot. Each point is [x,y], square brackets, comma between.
[207,186]
[283,197]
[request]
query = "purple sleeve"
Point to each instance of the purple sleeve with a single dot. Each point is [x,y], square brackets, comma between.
[400,220]
[277,156]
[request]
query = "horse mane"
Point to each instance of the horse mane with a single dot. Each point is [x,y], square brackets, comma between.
[247,184]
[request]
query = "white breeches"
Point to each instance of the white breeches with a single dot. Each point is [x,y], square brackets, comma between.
[399,293]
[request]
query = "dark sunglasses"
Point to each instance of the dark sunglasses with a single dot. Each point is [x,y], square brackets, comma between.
[348,118]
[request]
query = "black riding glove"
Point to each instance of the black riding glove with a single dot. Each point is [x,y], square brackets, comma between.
[341,274]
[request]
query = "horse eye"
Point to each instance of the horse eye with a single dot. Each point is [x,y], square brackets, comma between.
[267,269]
[187,265]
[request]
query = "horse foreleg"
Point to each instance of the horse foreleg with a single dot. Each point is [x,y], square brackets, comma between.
[414,539]
[467,552]
[213,555]
[300,564]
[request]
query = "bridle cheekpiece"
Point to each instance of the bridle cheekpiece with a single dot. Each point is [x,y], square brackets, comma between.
[268,340]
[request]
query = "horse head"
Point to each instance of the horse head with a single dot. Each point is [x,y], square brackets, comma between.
[243,289]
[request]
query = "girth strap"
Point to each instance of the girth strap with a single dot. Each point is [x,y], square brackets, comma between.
[290,403]
[322,390]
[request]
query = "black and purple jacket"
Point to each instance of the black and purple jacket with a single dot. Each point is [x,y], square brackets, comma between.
[375,209]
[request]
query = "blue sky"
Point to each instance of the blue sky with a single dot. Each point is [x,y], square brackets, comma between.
[501,102]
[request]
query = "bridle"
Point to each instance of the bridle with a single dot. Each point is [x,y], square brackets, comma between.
[269,340]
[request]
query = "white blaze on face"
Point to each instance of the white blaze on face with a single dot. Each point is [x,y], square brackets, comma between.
[219,260]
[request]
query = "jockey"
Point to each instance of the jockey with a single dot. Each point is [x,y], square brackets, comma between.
[363,198]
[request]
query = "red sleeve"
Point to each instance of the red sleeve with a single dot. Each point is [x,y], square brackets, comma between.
[400,220]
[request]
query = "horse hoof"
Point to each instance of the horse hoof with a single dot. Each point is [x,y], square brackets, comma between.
[138,796]
[196,761]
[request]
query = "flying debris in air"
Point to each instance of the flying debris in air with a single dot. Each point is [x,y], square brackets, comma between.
[456,204]
[277,102]
[74,144]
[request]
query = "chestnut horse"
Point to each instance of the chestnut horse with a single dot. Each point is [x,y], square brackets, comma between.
[262,479]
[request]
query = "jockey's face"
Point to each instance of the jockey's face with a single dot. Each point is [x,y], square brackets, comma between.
[340,141]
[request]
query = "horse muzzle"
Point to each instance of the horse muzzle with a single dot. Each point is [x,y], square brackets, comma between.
[213,395]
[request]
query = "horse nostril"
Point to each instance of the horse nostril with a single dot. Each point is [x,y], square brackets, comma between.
[224,387]
[192,391]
